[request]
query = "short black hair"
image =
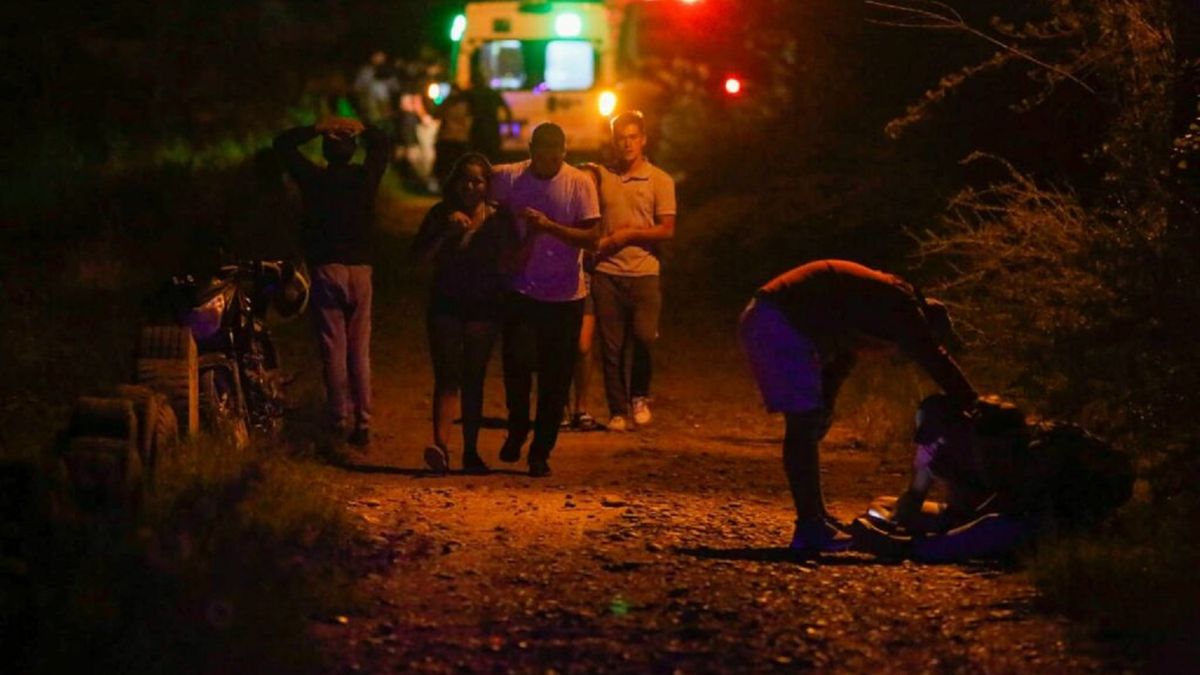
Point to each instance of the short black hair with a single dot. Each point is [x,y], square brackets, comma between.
[338,149]
[548,133]
[628,117]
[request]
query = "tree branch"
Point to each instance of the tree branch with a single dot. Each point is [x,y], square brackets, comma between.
[915,16]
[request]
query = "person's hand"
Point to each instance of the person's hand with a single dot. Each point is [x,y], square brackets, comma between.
[341,127]
[614,242]
[907,510]
[460,222]
[971,410]
[610,244]
[536,219]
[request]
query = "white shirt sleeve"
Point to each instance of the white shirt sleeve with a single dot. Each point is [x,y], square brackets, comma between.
[587,201]
[501,184]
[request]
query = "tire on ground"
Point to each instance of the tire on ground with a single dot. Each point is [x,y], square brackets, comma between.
[101,454]
[158,428]
[166,342]
[104,418]
[178,381]
[105,473]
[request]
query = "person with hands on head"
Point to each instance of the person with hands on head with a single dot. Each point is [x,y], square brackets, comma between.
[556,217]
[802,333]
[337,228]
[465,236]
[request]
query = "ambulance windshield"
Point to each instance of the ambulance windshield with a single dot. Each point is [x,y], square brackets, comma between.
[538,65]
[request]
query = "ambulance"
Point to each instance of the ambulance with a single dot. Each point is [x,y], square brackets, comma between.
[552,61]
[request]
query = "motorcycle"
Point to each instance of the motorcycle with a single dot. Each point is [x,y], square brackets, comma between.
[241,388]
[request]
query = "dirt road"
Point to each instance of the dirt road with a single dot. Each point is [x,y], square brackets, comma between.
[655,551]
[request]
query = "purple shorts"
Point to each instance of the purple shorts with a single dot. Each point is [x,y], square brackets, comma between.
[785,362]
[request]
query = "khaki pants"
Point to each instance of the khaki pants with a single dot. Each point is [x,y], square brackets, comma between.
[627,312]
[341,301]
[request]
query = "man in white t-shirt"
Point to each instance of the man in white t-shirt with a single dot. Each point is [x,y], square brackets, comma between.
[557,215]
[637,200]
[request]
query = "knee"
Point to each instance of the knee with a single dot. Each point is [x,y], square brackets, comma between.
[807,427]
[645,334]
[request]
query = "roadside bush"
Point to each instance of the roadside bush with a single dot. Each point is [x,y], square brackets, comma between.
[234,552]
[1130,579]
[1076,277]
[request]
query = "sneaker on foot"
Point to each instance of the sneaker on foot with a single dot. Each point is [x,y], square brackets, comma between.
[511,450]
[870,537]
[641,410]
[361,437]
[819,536]
[437,459]
[539,468]
[474,464]
[618,423]
[584,422]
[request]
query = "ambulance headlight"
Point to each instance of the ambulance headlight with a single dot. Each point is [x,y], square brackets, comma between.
[607,103]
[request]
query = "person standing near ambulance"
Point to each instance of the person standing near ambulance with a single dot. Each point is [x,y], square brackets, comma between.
[637,202]
[557,216]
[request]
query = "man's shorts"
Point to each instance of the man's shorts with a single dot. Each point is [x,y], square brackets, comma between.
[785,362]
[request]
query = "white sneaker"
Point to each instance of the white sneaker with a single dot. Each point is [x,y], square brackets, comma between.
[641,410]
[618,423]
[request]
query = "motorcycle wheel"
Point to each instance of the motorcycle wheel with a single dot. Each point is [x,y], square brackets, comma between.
[221,409]
[167,362]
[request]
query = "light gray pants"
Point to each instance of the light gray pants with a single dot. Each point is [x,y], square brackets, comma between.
[341,301]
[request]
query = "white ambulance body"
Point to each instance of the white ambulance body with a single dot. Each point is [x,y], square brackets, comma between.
[552,61]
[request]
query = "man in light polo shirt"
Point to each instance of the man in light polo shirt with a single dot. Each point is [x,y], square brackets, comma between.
[638,205]
[556,214]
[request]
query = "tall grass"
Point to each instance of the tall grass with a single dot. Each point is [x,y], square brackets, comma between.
[232,555]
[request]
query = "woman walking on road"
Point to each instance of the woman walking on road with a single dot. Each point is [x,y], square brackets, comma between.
[464,235]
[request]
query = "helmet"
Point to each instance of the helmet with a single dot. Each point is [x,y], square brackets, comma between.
[998,417]
[936,415]
[291,298]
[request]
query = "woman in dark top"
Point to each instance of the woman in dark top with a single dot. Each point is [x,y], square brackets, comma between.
[465,236]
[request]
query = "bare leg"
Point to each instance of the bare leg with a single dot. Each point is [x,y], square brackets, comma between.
[801,463]
[478,339]
[583,364]
[446,349]
[445,402]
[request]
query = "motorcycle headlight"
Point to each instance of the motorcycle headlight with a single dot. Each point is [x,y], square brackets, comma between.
[205,320]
